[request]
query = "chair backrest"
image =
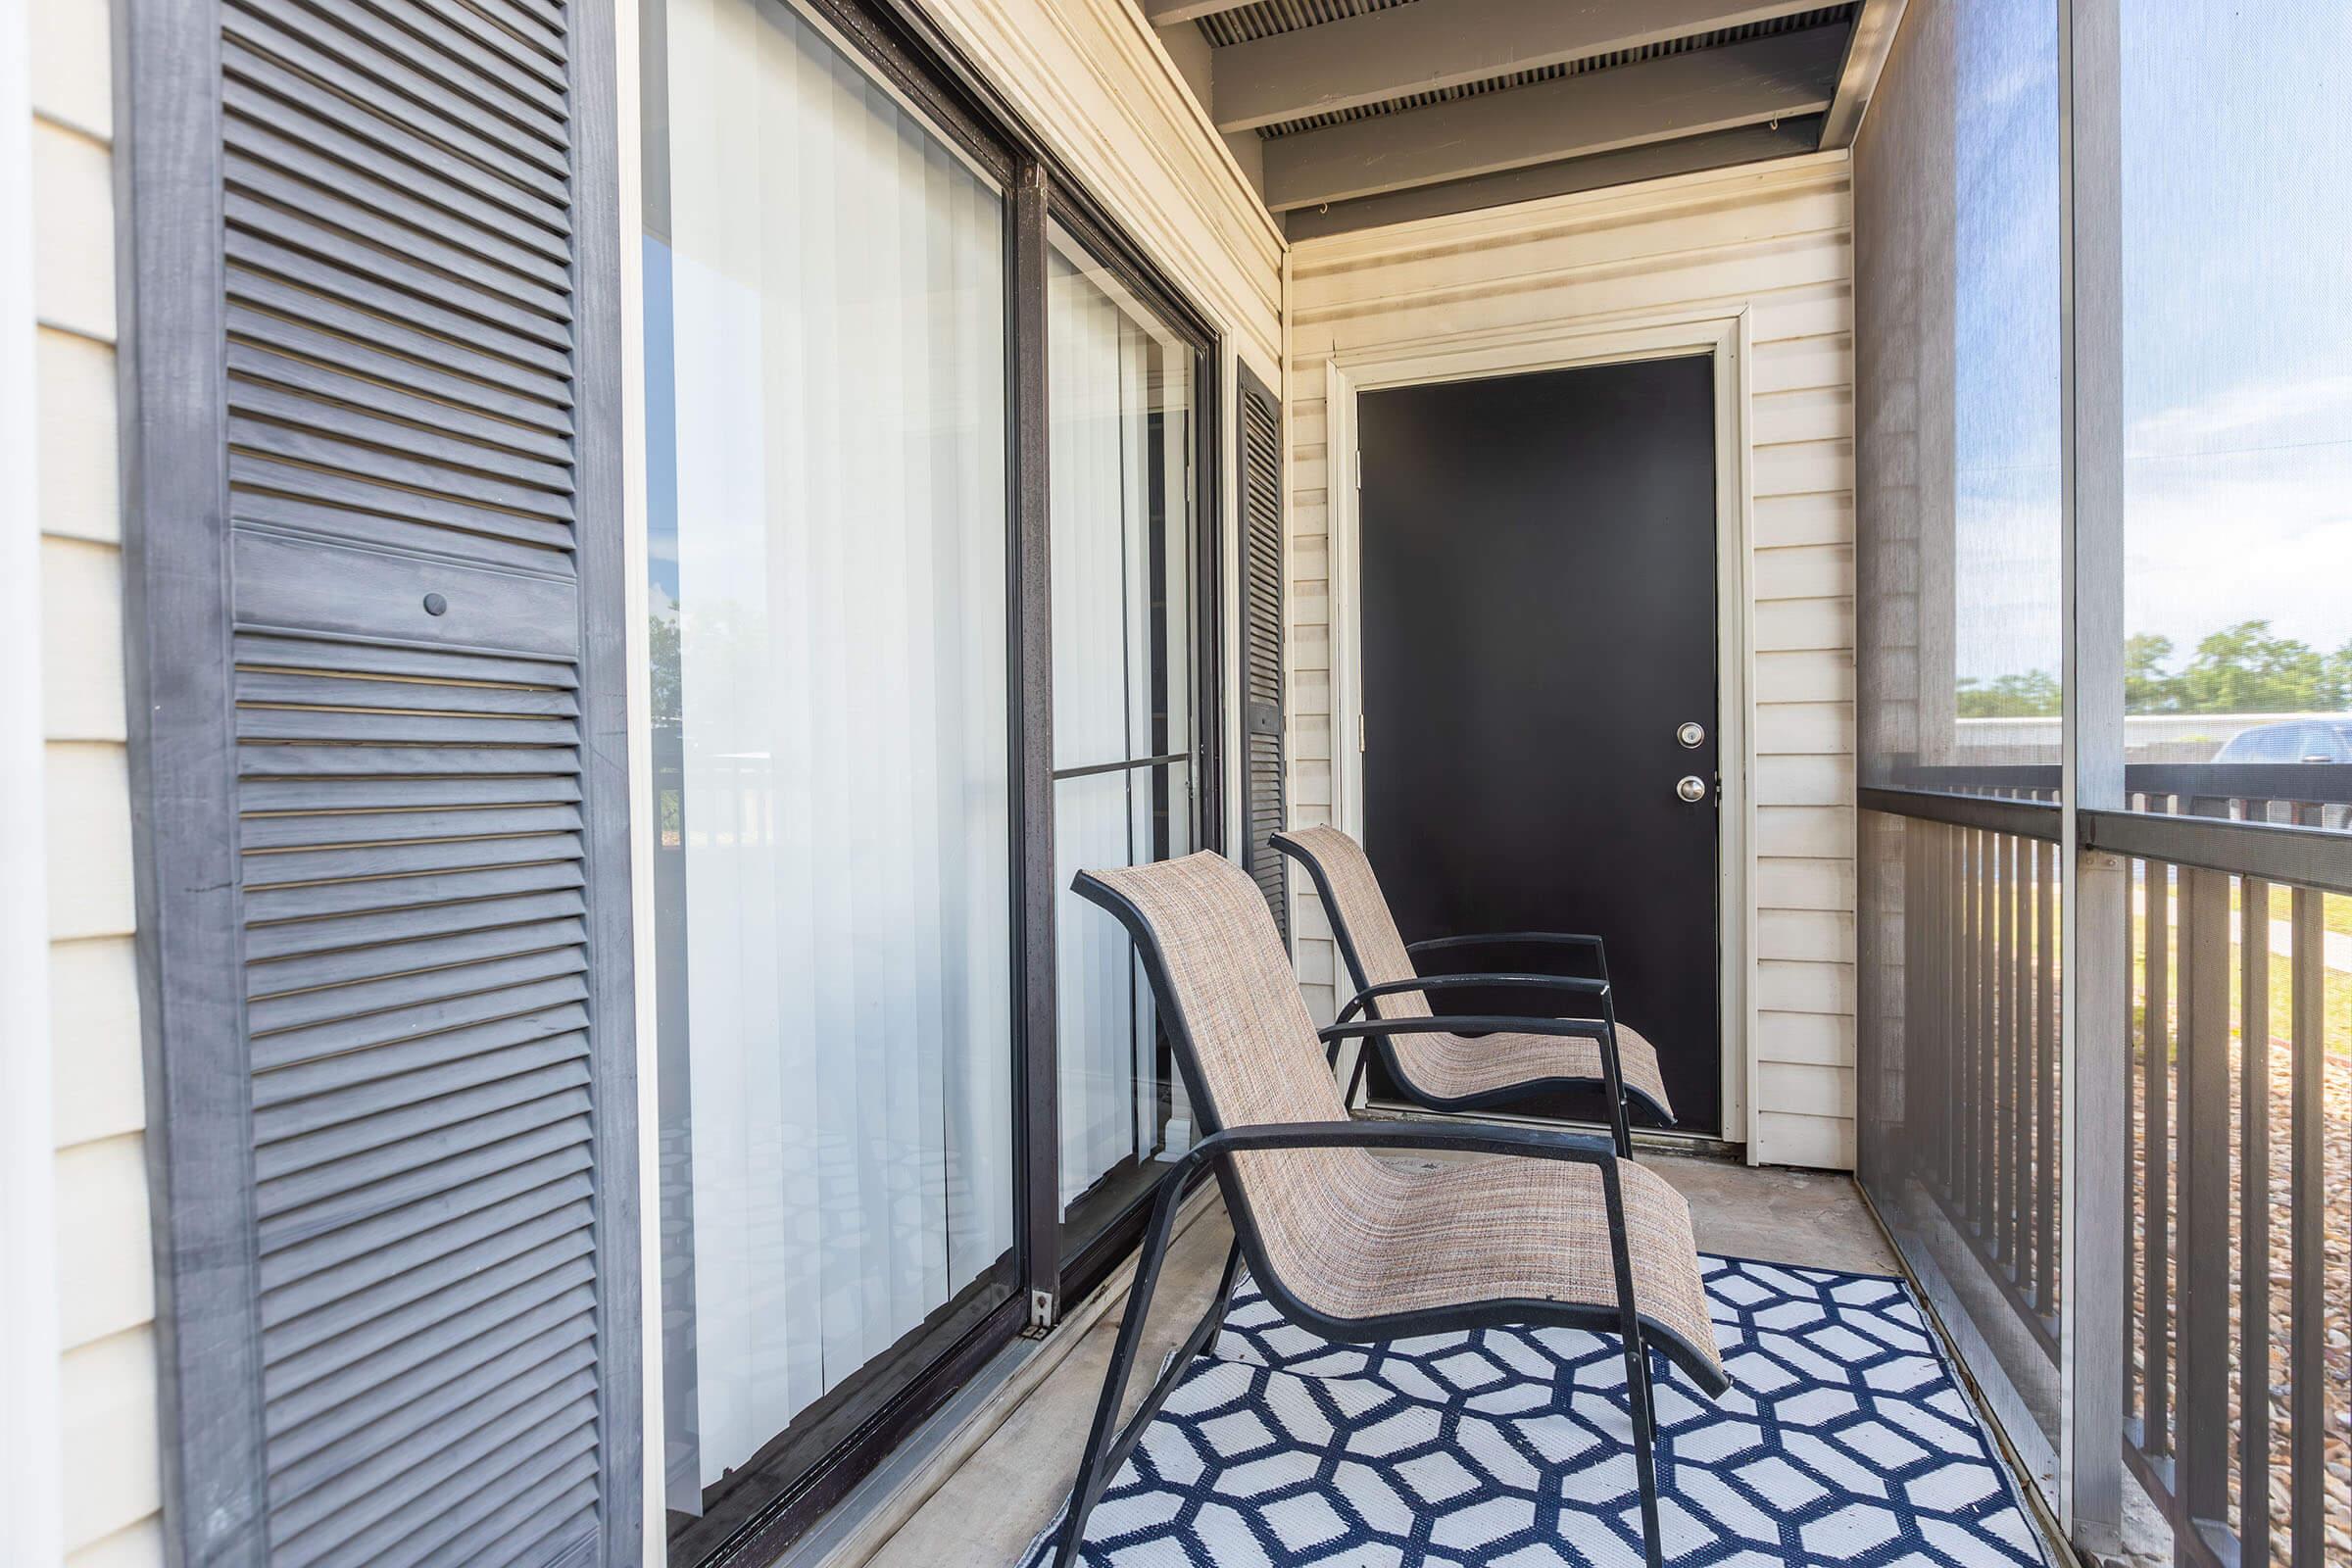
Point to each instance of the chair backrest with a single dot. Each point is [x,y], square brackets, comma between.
[1370,944]
[1225,988]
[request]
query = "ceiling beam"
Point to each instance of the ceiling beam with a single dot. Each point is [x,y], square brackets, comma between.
[1169,12]
[1625,106]
[1444,43]
[1657,160]
[1875,26]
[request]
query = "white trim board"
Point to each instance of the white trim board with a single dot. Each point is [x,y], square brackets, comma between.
[1725,340]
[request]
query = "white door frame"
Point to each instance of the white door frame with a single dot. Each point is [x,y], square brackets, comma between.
[1725,339]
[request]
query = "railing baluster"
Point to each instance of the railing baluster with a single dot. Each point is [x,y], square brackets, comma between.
[2306,1045]
[2156,1292]
[1971,906]
[1989,906]
[2045,1077]
[1916,914]
[2135,1184]
[2020,1095]
[2201,1476]
[1953,1002]
[2254,1219]
[1997,1095]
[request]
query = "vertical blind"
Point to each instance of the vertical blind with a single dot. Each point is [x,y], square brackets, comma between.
[1118,397]
[834,338]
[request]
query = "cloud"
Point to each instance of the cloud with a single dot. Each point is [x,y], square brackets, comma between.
[2261,415]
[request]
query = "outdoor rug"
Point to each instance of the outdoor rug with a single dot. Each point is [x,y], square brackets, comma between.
[1845,1439]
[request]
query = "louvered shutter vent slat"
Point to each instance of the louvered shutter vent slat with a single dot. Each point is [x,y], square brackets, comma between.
[408,438]
[1261,641]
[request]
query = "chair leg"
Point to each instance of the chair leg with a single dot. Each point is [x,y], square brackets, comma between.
[1104,1453]
[1620,1127]
[1643,1403]
[1204,1332]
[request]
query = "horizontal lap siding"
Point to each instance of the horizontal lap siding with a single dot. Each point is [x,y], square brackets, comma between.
[1776,242]
[105,1303]
[1094,83]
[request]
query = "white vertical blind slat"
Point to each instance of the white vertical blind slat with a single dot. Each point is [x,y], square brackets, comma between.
[839,349]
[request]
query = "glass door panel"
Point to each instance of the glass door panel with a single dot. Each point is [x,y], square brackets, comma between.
[826,328]
[1122,401]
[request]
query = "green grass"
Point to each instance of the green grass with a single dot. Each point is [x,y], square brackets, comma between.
[2336,986]
[2335,908]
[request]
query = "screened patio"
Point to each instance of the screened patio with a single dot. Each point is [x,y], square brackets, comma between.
[2101,775]
[617,578]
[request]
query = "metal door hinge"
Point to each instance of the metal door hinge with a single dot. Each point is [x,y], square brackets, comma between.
[1359,468]
[1359,732]
[1041,1316]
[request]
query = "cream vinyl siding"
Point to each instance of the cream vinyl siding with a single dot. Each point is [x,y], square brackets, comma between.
[1774,241]
[106,1301]
[1091,79]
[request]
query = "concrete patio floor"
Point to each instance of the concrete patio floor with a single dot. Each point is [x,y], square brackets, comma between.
[997,1499]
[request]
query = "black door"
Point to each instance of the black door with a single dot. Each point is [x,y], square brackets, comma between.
[1538,578]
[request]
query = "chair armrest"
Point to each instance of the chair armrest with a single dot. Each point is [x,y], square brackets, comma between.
[1600,1029]
[1518,939]
[1454,982]
[1470,1137]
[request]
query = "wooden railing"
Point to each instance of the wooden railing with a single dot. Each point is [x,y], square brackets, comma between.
[2215,1202]
[2229,1297]
[1981,958]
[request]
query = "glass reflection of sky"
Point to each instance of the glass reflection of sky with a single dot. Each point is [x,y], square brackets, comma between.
[2237,335]
[2237,261]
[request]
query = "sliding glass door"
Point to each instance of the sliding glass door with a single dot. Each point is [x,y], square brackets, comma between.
[925,446]
[827,338]
[1120,401]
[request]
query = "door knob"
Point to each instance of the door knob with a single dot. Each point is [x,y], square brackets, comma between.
[1691,734]
[1691,787]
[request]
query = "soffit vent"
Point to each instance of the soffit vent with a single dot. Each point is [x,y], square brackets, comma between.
[1797,22]
[1267,18]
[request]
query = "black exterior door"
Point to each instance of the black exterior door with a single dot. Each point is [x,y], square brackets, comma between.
[1539,589]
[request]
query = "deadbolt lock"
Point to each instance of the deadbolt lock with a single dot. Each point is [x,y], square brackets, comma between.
[1691,734]
[1691,787]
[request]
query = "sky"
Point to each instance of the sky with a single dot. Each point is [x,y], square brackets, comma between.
[2237,375]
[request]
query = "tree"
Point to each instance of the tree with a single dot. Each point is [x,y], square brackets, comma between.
[2147,689]
[2335,680]
[2239,669]
[2244,670]
[2033,694]
[662,635]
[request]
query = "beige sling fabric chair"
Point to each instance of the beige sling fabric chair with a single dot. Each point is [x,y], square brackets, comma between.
[1450,1070]
[1538,1227]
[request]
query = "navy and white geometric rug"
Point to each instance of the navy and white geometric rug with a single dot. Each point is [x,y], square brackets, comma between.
[1844,1441]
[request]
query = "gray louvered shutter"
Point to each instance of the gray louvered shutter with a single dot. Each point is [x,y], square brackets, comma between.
[377,403]
[1262,640]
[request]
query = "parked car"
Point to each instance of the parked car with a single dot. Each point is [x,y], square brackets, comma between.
[2296,740]
[2299,740]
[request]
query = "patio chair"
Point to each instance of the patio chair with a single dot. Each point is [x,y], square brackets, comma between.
[1544,1227]
[1448,1069]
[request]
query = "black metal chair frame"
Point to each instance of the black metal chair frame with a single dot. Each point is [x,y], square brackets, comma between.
[1603,1029]
[1108,1444]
